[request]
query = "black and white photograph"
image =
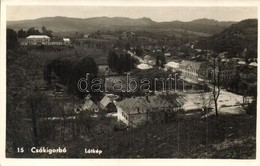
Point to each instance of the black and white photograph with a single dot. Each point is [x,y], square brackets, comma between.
[130,82]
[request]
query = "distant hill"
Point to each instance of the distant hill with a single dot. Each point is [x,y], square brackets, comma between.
[207,26]
[239,38]
[65,24]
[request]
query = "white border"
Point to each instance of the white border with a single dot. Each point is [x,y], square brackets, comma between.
[26,162]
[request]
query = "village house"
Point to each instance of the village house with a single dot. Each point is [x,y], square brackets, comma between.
[147,59]
[173,66]
[136,111]
[90,106]
[66,41]
[107,104]
[86,35]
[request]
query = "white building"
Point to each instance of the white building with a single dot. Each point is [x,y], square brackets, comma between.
[66,41]
[253,64]
[194,70]
[172,66]
[38,39]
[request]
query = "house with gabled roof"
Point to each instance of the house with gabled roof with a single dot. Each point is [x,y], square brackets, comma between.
[136,111]
[66,41]
[105,101]
[90,106]
[107,104]
[194,70]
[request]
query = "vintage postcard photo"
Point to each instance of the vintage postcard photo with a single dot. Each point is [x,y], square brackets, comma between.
[131,82]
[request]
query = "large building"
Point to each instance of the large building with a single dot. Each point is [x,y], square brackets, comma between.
[225,69]
[38,40]
[44,40]
[199,71]
[194,70]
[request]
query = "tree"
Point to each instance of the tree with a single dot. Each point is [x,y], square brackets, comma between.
[205,100]
[44,29]
[11,39]
[251,107]
[47,32]
[217,67]
[22,73]
[139,51]
[22,34]
[112,60]
[38,108]
[120,62]
[160,60]
[71,71]
[33,31]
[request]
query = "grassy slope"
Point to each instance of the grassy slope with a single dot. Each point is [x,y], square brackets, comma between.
[230,137]
[224,137]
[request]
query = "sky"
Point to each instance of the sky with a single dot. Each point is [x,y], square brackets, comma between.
[158,14]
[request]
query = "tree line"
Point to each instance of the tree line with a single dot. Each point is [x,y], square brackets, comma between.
[120,62]
[33,31]
[12,36]
[70,71]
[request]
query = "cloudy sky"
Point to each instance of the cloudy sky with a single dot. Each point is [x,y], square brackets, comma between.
[155,13]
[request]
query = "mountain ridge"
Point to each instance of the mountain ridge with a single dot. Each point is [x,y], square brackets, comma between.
[239,39]
[88,25]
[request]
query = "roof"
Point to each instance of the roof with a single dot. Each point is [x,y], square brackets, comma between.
[66,39]
[241,62]
[129,105]
[193,64]
[88,104]
[147,57]
[38,37]
[172,65]
[253,64]
[143,66]
[105,101]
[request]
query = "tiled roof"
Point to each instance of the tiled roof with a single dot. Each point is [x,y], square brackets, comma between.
[129,105]
[193,64]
